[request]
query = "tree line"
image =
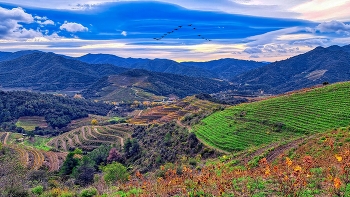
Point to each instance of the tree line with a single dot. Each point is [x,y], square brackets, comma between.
[58,111]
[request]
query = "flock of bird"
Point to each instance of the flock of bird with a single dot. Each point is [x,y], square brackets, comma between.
[177,29]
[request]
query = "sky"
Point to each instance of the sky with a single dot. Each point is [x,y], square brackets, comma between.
[259,30]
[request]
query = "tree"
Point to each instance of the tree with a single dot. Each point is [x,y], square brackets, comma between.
[69,164]
[131,148]
[114,155]
[94,122]
[99,155]
[84,173]
[115,172]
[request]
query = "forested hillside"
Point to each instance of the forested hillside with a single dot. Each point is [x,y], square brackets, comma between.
[315,67]
[51,72]
[138,84]
[156,65]
[226,68]
[57,110]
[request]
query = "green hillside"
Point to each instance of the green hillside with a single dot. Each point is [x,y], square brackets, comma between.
[281,118]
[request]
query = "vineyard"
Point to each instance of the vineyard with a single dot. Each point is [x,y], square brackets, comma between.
[91,137]
[277,119]
[175,111]
[31,157]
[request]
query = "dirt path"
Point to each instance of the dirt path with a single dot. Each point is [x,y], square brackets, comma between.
[246,157]
[140,113]
[90,133]
[121,139]
[83,133]
[70,141]
[189,128]
[63,144]
[88,140]
[122,134]
[6,138]
[283,148]
[76,139]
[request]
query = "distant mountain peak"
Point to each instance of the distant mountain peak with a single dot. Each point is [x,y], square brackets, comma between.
[321,64]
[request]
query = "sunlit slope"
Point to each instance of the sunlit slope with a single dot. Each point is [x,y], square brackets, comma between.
[297,114]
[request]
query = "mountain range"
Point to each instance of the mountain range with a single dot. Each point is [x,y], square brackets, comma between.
[48,71]
[95,73]
[224,69]
[320,65]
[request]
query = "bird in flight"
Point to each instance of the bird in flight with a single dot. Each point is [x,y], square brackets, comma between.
[178,28]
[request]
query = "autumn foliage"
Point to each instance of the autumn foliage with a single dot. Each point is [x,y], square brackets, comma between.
[320,167]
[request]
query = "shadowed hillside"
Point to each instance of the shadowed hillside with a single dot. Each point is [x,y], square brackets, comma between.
[315,67]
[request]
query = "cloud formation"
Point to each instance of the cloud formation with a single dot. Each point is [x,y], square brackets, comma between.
[73,27]
[47,22]
[10,26]
[101,26]
[334,26]
[252,50]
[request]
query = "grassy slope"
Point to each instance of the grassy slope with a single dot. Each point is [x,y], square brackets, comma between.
[29,123]
[301,113]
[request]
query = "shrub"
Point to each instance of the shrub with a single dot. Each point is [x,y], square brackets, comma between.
[115,172]
[38,190]
[89,192]
[192,162]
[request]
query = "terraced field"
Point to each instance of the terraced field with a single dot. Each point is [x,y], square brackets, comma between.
[29,123]
[91,137]
[285,117]
[175,111]
[34,158]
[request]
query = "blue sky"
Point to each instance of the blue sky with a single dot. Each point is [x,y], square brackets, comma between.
[261,30]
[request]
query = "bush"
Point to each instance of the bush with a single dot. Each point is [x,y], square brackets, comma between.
[38,190]
[192,162]
[89,192]
[115,172]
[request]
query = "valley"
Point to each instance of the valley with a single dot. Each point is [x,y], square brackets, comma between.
[208,133]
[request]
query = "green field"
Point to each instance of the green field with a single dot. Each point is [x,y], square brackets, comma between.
[277,119]
[38,142]
[29,123]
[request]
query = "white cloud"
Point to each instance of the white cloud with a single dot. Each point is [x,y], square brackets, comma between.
[124,33]
[272,36]
[321,10]
[10,27]
[334,26]
[252,50]
[47,22]
[312,42]
[73,27]
[41,18]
